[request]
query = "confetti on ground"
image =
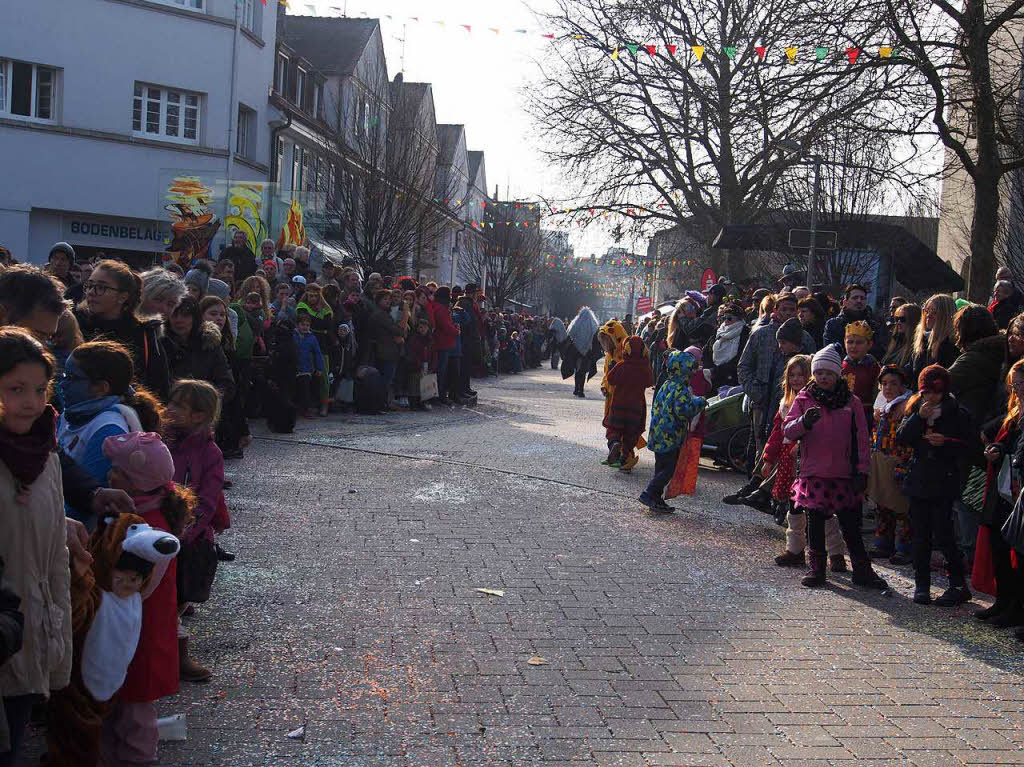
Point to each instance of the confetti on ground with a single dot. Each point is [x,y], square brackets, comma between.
[536,660]
[298,734]
[414,540]
[492,592]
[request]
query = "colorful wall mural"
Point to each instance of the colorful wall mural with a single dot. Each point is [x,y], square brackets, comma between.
[293,231]
[246,202]
[194,220]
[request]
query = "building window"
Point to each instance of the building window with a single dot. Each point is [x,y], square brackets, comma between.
[250,15]
[281,74]
[300,87]
[318,100]
[165,113]
[27,90]
[297,152]
[246,139]
[279,154]
[195,5]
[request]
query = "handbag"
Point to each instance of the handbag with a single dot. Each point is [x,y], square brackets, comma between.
[1013,528]
[1004,481]
[428,386]
[197,566]
[684,478]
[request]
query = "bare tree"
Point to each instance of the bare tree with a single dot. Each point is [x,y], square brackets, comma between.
[507,259]
[970,57]
[392,203]
[670,141]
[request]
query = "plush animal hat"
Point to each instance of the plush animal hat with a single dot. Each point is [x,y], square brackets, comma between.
[142,457]
[633,348]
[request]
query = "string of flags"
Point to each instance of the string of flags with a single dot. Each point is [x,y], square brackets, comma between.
[792,52]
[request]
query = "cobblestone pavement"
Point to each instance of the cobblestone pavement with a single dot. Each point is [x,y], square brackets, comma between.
[352,612]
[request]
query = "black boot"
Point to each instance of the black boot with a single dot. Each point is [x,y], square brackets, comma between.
[864,575]
[816,576]
[735,499]
[759,499]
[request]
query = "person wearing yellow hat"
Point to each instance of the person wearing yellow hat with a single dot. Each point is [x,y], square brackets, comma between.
[861,369]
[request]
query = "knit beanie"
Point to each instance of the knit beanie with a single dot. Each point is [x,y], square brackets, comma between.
[199,278]
[217,288]
[827,359]
[142,456]
[697,352]
[934,378]
[791,330]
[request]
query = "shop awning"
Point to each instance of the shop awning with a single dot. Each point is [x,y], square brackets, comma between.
[915,265]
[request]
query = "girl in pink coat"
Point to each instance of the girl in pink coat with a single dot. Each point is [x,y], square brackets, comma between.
[828,421]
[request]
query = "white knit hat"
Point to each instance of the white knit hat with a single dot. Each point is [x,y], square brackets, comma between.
[827,359]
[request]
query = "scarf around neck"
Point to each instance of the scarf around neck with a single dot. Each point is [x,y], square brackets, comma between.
[727,343]
[831,400]
[83,412]
[25,455]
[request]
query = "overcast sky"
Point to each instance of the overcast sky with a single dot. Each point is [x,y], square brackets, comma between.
[477,78]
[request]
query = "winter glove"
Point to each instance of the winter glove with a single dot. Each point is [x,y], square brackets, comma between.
[859,483]
[811,417]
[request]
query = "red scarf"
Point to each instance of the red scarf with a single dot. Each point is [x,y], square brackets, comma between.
[25,455]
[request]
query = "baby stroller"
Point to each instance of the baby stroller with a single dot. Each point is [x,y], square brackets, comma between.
[727,430]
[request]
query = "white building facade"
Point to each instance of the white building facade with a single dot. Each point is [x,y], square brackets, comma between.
[125,123]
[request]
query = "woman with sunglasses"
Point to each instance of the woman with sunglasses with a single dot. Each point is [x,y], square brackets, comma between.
[113,293]
[933,339]
[900,353]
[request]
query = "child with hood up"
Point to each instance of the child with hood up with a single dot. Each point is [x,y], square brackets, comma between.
[673,408]
[626,414]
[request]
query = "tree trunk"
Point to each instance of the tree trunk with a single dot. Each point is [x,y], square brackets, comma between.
[984,226]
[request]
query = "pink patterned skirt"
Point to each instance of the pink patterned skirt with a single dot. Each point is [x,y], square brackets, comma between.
[827,494]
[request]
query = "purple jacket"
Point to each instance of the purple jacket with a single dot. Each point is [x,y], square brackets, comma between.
[199,465]
[825,448]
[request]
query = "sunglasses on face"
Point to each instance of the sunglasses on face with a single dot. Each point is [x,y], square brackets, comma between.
[99,288]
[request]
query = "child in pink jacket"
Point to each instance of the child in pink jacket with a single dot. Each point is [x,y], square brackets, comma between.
[828,421]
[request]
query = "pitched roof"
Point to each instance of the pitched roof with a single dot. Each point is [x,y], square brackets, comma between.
[475,161]
[409,95]
[333,45]
[448,138]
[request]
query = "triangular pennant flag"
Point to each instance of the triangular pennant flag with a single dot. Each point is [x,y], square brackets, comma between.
[698,51]
[821,52]
[415,18]
[440,23]
[791,54]
[495,30]
[633,49]
[549,36]
[885,51]
[615,54]
[521,31]
[651,49]
[671,50]
[852,53]
[467,27]
[761,50]
[730,51]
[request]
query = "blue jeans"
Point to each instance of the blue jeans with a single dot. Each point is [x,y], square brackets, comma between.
[664,468]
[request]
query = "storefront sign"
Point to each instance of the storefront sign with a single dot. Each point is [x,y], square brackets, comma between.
[120,233]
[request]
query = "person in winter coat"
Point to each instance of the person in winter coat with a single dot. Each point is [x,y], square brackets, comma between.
[194,350]
[445,335]
[1006,303]
[975,373]
[933,339]
[889,460]
[112,295]
[812,317]
[828,421]
[310,366]
[324,330]
[673,408]
[12,626]
[626,411]
[937,428]
[723,352]
[33,544]
[612,336]
[192,414]
[856,309]
[384,338]
[860,369]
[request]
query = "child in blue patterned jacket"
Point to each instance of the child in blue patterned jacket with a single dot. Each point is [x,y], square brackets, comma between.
[674,407]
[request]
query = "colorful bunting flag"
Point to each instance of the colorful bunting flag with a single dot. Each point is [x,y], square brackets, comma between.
[633,49]
[652,49]
[671,50]
[885,51]
[730,51]
[549,36]
[821,52]
[852,53]
[761,50]
[791,53]
[495,30]
[615,54]
[698,51]
[467,27]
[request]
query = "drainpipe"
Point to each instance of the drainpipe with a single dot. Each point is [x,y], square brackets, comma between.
[232,108]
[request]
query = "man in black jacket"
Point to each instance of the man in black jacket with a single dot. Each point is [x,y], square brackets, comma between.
[239,254]
[856,309]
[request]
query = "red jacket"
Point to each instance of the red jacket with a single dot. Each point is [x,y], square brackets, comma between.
[153,673]
[445,329]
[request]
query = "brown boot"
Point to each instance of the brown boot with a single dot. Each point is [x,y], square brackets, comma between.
[188,669]
[816,575]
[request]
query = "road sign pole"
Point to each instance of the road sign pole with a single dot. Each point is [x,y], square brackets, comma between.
[814,222]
